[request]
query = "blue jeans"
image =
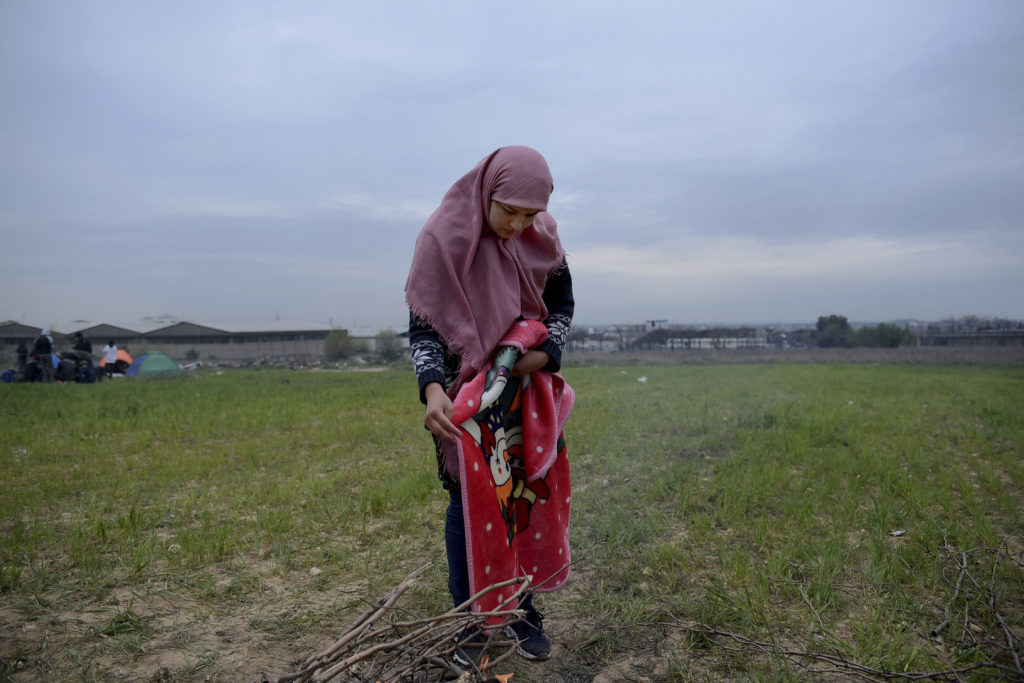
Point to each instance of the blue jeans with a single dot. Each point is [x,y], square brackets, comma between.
[455,544]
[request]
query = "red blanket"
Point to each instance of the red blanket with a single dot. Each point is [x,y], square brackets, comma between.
[514,470]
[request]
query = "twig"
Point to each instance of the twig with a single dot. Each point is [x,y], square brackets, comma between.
[956,593]
[1007,632]
[841,664]
[807,599]
[359,627]
[417,649]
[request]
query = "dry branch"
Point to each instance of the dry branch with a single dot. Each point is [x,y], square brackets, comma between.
[969,590]
[972,610]
[837,663]
[378,647]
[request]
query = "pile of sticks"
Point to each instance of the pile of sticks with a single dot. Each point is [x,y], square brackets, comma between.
[387,644]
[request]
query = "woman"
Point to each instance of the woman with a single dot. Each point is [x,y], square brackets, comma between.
[489,256]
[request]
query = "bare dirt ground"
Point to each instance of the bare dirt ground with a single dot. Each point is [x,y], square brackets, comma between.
[183,640]
[175,639]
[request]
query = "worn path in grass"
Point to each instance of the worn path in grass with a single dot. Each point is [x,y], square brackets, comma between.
[223,527]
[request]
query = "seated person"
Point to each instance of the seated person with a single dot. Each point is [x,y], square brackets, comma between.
[86,373]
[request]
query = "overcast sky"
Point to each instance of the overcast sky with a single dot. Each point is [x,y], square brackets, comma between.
[742,161]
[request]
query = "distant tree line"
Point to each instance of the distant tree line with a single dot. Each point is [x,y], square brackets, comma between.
[976,325]
[340,345]
[973,330]
[835,331]
[831,331]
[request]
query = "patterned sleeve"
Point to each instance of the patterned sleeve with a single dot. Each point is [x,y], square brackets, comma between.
[433,363]
[428,355]
[560,303]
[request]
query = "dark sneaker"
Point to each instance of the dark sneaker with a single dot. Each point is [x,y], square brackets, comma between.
[471,644]
[531,642]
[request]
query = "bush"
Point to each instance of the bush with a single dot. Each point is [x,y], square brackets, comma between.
[338,345]
[833,331]
[388,345]
[883,336]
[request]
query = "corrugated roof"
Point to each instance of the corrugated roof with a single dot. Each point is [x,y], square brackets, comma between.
[262,326]
[152,324]
[140,326]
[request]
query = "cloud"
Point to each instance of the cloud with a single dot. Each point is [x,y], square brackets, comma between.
[380,208]
[744,279]
[709,161]
[220,206]
[699,257]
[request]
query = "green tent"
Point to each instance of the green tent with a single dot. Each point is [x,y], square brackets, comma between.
[154,363]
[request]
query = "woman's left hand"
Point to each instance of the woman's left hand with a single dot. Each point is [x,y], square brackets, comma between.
[532,360]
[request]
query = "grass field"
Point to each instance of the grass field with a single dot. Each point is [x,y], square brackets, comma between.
[759,521]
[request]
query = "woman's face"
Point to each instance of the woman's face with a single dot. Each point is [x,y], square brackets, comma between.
[508,221]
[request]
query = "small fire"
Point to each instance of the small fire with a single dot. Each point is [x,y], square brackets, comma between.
[501,678]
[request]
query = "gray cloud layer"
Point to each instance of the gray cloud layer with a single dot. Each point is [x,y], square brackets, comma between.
[713,162]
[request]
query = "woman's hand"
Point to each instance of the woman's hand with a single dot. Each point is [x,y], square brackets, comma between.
[532,360]
[438,418]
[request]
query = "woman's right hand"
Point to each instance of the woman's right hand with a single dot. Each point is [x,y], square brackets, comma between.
[438,418]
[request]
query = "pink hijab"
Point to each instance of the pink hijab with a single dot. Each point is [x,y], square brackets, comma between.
[465,281]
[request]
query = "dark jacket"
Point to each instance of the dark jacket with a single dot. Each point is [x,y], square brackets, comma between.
[43,346]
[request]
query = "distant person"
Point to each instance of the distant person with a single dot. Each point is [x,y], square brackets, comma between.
[22,352]
[42,350]
[489,258]
[86,373]
[82,344]
[67,368]
[32,373]
[110,358]
[82,350]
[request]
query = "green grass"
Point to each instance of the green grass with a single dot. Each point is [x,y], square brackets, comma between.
[723,516]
